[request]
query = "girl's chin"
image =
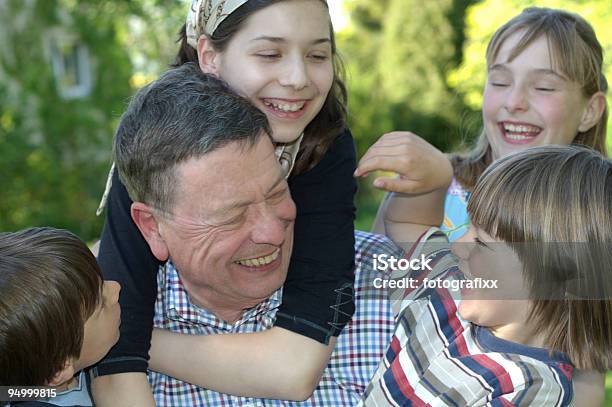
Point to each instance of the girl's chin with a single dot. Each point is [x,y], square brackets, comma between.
[284,136]
[504,150]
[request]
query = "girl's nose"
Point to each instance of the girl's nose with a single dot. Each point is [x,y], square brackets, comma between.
[295,74]
[516,100]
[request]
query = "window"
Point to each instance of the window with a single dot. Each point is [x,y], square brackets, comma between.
[71,68]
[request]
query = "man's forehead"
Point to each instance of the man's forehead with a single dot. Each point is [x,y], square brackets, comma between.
[230,174]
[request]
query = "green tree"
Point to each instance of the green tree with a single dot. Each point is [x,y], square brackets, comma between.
[399,53]
[55,147]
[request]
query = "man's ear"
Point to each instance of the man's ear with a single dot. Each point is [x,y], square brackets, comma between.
[592,113]
[208,57]
[63,375]
[148,225]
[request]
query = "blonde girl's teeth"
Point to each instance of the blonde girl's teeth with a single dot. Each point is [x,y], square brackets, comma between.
[520,129]
[517,137]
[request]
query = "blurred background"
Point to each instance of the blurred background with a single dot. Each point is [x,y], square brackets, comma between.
[68,68]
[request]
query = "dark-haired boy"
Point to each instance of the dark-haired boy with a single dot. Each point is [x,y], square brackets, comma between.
[57,315]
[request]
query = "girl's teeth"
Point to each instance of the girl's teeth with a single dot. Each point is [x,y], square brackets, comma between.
[520,132]
[289,107]
[260,261]
[518,137]
[520,128]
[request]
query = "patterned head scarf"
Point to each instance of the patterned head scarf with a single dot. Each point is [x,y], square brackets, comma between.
[205,16]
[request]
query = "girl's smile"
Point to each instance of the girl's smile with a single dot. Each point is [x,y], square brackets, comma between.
[527,102]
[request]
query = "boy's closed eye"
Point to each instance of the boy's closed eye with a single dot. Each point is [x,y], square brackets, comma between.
[481,243]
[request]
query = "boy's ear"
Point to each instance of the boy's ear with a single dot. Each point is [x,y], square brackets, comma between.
[148,225]
[208,57]
[593,112]
[63,375]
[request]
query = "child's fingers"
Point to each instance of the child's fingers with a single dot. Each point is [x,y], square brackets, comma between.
[403,164]
[399,185]
[399,164]
[396,151]
[394,142]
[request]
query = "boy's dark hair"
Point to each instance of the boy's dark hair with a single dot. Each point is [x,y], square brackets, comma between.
[50,284]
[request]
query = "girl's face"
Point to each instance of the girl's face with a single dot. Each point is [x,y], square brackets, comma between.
[528,102]
[281,59]
[503,309]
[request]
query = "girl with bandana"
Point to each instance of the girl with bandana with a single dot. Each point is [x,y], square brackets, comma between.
[293,74]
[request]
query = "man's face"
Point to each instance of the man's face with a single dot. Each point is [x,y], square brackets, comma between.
[230,234]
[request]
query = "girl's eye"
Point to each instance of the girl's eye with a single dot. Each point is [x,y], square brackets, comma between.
[545,89]
[269,55]
[319,57]
[498,80]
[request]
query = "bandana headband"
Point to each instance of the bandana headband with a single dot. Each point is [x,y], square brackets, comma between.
[204,17]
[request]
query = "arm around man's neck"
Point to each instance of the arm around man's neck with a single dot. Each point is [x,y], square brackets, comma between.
[272,364]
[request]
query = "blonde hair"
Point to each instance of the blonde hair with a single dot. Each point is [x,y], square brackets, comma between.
[553,206]
[574,50]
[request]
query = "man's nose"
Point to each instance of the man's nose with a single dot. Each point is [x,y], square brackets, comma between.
[269,226]
[294,73]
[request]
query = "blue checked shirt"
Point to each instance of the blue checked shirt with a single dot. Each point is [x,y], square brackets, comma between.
[359,348]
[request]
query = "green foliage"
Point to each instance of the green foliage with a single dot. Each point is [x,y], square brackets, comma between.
[398,54]
[608,399]
[51,146]
[56,151]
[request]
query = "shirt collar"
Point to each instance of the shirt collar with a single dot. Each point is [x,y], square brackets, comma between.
[179,306]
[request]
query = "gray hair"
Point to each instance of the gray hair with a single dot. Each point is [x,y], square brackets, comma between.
[184,114]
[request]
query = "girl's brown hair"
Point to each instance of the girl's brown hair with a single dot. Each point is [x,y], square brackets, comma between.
[553,206]
[327,124]
[575,51]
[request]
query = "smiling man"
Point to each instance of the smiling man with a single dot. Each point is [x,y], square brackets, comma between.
[232,239]
[213,204]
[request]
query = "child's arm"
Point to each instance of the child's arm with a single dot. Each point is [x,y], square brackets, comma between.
[273,364]
[318,293]
[417,195]
[126,390]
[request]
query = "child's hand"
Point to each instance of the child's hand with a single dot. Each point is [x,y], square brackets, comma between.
[421,167]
